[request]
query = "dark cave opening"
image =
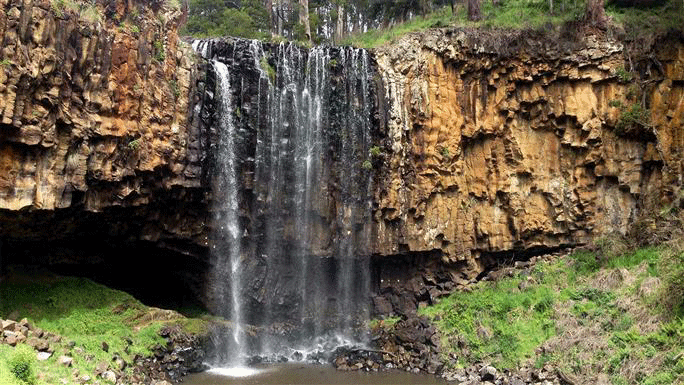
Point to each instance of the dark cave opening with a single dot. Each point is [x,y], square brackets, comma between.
[155,273]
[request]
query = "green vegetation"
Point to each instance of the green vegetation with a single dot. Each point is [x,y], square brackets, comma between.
[640,22]
[5,62]
[633,117]
[173,84]
[86,10]
[268,69]
[385,323]
[593,313]
[367,165]
[208,18]
[22,364]
[86,313]
[497,321]
[159,53]
[624,75]
[445,153]
[615,103]
[135,144]
[535,14]
[375,151]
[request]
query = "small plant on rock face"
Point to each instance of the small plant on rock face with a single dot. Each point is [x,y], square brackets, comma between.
[623,75]
[615,103]
[270,71]
[367,165]
[375,151]
[445,152]
[159,51]
[135,144]
[174,88]
[633,116]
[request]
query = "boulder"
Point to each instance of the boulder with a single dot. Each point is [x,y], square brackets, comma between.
[7,325]
[65,360]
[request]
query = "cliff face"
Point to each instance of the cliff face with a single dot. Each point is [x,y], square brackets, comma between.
[491,144]
[511,142]
[99,144]
[94,106]
[502,145]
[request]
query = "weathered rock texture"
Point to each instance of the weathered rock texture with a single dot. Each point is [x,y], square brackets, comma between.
[98,140]
[507,142]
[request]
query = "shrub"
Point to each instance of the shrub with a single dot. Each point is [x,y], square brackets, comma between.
[375,151]
[633,117]
[22,363]
[367,165]
[672,292]
[623,75]
[159,51]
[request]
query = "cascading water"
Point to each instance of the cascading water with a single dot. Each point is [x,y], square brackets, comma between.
[226,249]
[293,186]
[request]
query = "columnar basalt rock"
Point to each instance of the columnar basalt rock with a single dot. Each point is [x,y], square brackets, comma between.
[94,114]
[504,142]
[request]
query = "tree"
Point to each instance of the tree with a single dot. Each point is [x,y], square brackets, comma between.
[595,14]
[304,18]
[474,13]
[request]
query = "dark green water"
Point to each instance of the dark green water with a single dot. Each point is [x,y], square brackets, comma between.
[302,374]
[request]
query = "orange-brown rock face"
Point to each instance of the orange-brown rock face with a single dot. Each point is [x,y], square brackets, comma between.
[490,152]
[94,107]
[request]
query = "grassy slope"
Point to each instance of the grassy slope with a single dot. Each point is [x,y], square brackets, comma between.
[88,314]
[530,14]
[590,318]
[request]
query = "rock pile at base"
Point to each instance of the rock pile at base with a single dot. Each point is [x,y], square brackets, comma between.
[181,355]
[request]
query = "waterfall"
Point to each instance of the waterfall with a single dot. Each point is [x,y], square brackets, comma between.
[226,249]
[293,194]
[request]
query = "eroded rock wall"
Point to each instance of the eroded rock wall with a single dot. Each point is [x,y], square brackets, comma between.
[94,109]
[102,156]
[505,142]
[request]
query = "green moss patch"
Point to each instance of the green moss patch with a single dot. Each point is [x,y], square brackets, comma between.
[96,323]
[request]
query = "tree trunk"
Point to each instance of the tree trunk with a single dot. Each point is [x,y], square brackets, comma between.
[339,25]
[304,18]
[551,7]
[595,14]
[268,5]
[474,13]
[280,15]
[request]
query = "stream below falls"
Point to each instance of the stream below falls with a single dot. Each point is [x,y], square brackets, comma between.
[303,374]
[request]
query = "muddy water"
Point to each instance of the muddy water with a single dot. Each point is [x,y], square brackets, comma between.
[300,374]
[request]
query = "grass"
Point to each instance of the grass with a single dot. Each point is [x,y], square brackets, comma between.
[497,322]
[529,14]
[585,313]
[88,314]
[385,323]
